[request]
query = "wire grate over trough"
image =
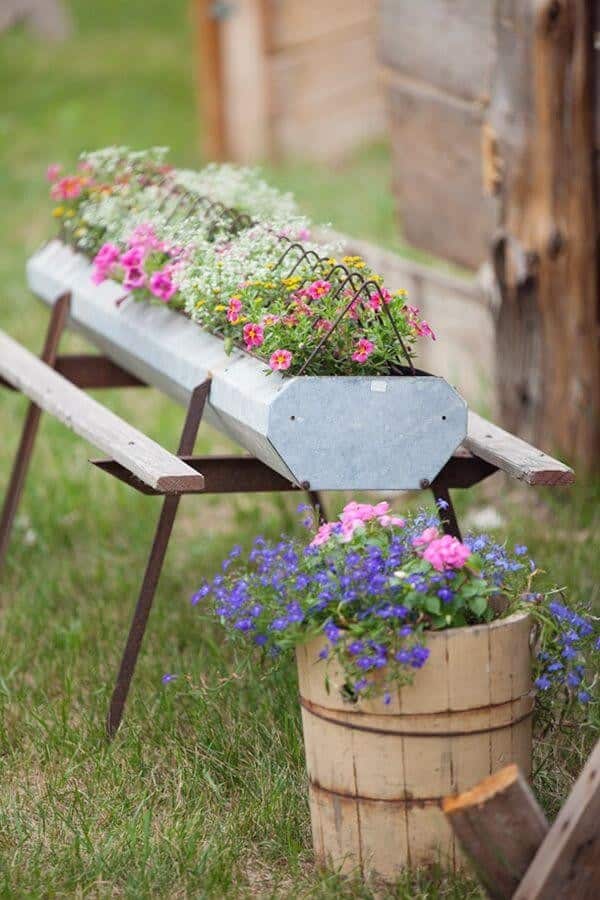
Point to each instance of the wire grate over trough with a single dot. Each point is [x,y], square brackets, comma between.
[354,291]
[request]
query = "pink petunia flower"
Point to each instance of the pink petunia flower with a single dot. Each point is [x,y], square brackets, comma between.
[317,289]
[132,257]
[446,553]
[134,278]
[67,188]
[280,360]
[322,535]
[324,325]
[162,286]
[253,335]
[144,237]
[363,350]
[53,171]
[429,535]
[424,330]
[396,521]
[106,255]
[234,309]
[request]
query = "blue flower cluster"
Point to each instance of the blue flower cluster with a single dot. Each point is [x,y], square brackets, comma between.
[562,660]
[498,563]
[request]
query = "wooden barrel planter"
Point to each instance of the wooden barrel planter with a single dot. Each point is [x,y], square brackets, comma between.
[377,773]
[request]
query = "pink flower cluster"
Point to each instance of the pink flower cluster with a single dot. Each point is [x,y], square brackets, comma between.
[420,325]
[254,335]
[444,552]
[353,516]
[364,348]
[280,360]
[110,261]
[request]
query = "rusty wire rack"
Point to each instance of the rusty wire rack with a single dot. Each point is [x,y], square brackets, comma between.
[355,288]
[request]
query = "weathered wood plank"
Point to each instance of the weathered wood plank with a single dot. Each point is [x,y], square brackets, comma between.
[326,72]
[567,864]
[446,43]
[142,456]
[545,254]
[436,151]
[500,827]
[304,21]
[210,78]
[513,455]
[245,80]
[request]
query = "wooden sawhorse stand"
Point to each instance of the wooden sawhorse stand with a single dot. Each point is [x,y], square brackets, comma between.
[57,383]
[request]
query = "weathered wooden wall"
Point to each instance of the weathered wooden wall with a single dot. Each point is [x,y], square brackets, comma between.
[546,247]
[438,59]
[291,78]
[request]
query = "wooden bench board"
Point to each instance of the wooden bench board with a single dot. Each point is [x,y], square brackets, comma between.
[513,455]
[142,456]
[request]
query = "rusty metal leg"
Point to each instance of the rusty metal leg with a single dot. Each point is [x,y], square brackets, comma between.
[16,483]
[446,510]
[153,568]
[316,501]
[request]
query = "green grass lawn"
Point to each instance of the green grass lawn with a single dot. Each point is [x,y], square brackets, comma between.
[203,793]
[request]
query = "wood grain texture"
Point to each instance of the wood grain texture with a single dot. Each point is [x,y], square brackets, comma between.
[245,79]
[85,416]
[307,21]
[446,43]
[378,772]
[437,171]
[513,455]
[210,78]
[567,864]
[500,827]
[545,255]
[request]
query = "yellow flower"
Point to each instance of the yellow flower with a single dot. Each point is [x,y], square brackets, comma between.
[357,262]
[332,261]
[402,293]
[220,307]
[200,303]
[58,211]
[79,232]
[69,213]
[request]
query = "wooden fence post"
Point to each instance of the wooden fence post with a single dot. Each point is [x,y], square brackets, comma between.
[541,118]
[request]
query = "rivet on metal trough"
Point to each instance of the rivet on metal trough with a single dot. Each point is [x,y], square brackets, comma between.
[424,483]
[305,485]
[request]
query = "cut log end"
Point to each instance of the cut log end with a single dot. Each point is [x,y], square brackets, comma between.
[483,791]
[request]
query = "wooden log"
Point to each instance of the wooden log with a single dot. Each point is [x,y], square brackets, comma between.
[500,827]
[142,456]
[545,254]
[514,456]
[567,864]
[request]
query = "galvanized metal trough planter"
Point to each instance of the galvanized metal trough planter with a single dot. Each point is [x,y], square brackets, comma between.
[323,433]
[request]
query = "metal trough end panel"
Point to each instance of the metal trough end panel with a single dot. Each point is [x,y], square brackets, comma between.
[360,433]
